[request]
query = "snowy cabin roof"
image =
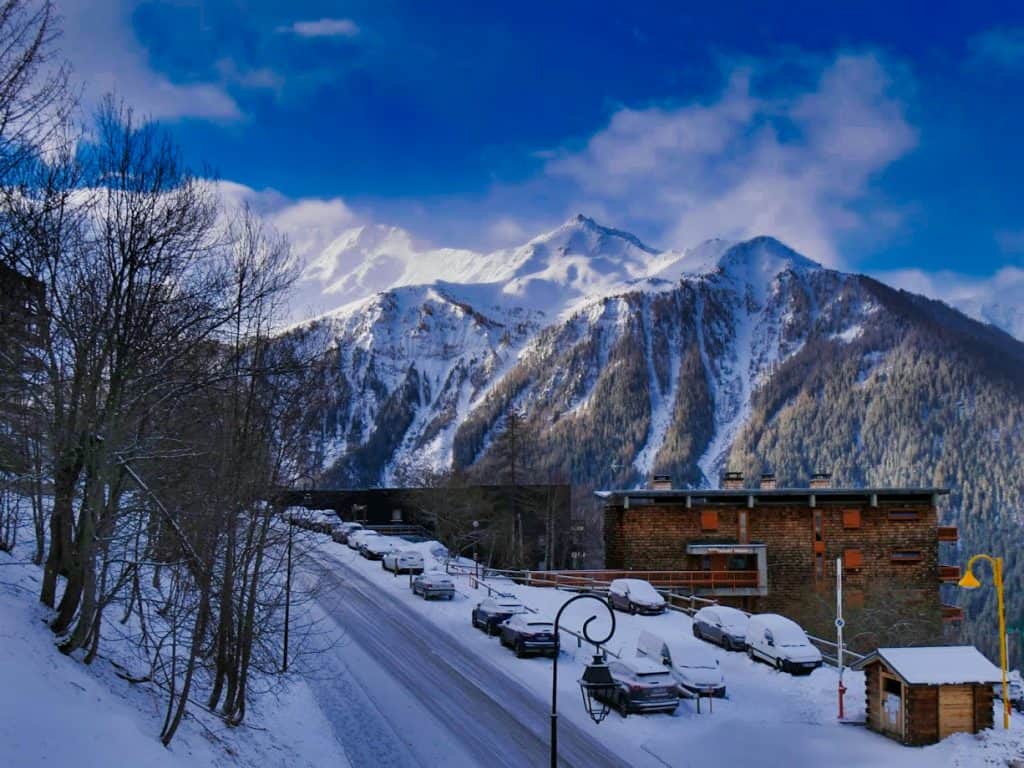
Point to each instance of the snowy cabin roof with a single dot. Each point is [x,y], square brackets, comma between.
[936,665]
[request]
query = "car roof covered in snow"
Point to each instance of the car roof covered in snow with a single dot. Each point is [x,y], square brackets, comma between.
[635,584]
[642,665]
[936,665]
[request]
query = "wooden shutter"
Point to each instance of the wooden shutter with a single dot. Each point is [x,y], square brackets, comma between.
[709,519]
[851,518]
[853,558]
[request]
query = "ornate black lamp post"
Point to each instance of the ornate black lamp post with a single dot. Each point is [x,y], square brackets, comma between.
[596,684]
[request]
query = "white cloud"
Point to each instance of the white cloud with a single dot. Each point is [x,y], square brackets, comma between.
[323,28]
[1001,45]
[798,166]
[98,40]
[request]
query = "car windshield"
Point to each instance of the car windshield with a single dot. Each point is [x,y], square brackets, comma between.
[643,591]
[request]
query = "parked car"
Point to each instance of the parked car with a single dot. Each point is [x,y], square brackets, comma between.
[432,584]
[375,547]
[781,642]
[694,666]
[343,531]
[635,596]
[527,633]
[492,611]
[356,538]
[723,626]
[641,685]
[403,561]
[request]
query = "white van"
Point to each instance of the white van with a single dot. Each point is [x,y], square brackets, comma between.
[782,643]
[694,665]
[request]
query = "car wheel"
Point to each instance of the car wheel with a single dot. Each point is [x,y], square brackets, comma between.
[750,653]
[697,633]
[520,650]
[780,665]
[489,629]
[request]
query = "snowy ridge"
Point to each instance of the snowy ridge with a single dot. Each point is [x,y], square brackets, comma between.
[555,319]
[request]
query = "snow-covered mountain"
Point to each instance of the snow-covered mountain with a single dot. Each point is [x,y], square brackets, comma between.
[427,371]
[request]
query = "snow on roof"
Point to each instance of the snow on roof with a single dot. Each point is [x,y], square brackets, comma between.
[937,665]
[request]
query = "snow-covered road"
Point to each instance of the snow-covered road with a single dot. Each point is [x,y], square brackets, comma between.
[432,703]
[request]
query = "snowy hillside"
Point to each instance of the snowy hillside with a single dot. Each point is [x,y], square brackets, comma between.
[103,720]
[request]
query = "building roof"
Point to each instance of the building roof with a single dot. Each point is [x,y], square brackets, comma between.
[691,496]
[936,665]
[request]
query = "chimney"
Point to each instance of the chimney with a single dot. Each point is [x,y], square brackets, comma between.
[768,482]
[821,480]
[732,481]
[662,483]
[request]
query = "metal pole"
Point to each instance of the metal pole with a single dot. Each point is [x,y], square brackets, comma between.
[840,622]
[287,598]
[1002,641]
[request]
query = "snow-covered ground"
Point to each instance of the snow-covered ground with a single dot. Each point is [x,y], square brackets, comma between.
[769,718]
[56,711]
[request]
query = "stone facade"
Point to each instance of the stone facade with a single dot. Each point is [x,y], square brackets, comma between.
[889,544]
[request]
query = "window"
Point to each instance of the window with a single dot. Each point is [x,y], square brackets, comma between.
[743,533]
[853,559]
[709,520]
[396,515]
[903,514]
[851,518]
[906,556]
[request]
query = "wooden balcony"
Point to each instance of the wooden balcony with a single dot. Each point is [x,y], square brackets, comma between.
[689,580]
[952,613]
[949,573]
[949,533]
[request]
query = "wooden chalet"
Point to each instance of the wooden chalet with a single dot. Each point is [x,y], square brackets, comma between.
[922,695]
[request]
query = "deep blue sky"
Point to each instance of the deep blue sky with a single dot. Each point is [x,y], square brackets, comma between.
[453,118]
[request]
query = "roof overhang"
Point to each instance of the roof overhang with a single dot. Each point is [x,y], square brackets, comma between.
[753,496]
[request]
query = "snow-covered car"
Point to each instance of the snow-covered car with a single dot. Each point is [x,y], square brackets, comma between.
[781,642]
[432,584]
[492,611]
[403,561]
[723,626]
[635,596]
[641,685]
[356,538]
[694,665]
[526,633]
[343,531]
[375,547]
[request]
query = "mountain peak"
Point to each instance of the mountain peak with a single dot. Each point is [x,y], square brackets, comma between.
[765,256]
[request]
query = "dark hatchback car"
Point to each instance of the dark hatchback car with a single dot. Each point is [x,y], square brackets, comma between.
[527,634]
[641,685]
[490,612]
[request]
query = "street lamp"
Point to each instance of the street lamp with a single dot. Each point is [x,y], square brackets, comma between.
[970,581]
[596,684]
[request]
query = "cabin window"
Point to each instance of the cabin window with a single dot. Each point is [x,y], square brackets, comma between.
[906,556]
[396,515]
[904,514]
[851,518]
[709,520]
[853,559]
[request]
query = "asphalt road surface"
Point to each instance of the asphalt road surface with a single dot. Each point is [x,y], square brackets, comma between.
[404,693]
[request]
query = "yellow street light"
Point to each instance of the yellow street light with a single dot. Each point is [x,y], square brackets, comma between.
[970,581]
